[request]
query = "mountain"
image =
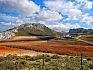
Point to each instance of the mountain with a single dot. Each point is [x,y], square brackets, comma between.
[80,31]
[35,30]
[29,29]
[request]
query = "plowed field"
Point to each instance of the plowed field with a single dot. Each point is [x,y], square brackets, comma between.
[63,47]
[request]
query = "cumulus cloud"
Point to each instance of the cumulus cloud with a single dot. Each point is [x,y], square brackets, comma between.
[73,14]
[50,15]
[74,10]
[11,20]
[29,8]
[58,26]
[58,5]
[8,18]
[88,5]
[26,7]
[65,7]
[81,0]
[64,27]
[87,19]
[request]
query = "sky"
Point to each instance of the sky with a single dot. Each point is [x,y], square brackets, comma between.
[60,15]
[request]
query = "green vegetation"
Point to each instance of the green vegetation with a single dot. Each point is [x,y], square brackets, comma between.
[45,62]
[36,31]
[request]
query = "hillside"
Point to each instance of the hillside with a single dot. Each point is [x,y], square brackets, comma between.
[29,29]
[35,30]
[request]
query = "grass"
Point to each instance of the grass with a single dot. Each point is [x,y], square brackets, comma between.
[45,62]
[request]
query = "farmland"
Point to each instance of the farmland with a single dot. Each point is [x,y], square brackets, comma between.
[7,50]
[62,47]
[87,38]
[33,54]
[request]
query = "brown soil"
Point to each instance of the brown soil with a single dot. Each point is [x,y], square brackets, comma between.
[63,47]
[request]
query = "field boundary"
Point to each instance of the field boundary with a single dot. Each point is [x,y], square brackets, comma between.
[88,42]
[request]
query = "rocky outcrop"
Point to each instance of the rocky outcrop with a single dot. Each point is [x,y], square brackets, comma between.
[7,34]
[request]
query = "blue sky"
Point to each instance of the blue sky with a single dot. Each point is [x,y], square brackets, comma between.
[60,15]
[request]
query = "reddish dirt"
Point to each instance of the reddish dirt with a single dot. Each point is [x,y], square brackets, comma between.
[63,47]
[4,50]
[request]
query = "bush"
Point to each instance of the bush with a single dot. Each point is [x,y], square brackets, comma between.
[55,57]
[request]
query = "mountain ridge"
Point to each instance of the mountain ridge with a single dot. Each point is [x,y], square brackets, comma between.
[80,31]
[29,29]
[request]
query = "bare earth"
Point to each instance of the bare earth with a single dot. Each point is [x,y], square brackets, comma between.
[63,47]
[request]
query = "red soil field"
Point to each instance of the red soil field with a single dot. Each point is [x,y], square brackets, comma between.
[63,47]
[7,50]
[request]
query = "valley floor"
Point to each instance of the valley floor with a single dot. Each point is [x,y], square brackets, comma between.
[29,54]
[62,47]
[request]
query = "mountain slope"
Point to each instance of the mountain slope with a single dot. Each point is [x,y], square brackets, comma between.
[29,29]
[35,30]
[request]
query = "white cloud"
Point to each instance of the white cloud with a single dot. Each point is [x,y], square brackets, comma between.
[88,5]
[73,14]
[64,27]
[73,11]
[8,18]
[87,19]
[48,15]
[65,7]
[81,0]
[14,20]
[26,7]
[58,5]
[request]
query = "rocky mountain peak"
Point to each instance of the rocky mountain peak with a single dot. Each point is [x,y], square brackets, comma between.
[32,25]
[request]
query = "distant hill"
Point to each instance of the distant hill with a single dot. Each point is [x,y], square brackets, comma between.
[80,31]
